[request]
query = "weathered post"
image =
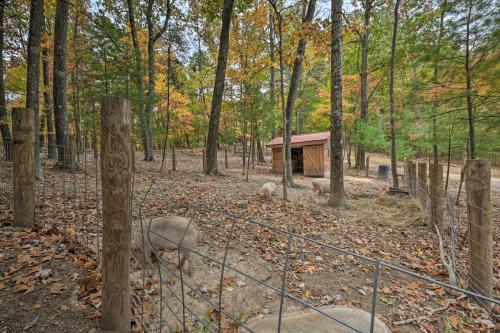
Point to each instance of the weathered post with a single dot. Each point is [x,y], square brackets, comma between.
[226,163]
[203,158]
[23,135]
[116,171]
[413,178]
[436,194]
[174,162]
[422,180]
[367,165]
[477,187]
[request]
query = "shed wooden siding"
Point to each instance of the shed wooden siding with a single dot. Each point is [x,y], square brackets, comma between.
[314,164]
[316,153]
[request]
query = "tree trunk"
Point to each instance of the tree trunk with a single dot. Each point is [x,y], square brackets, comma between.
[435,81]
[76,89]
[220,75]
[271,74]
[49,113]
[167,126]
[33,75]
[4,127]
[337,197]
[394,159]
[363,91]
[139,73]
[59,86]
[292,92]
[470,106]
[260,152]
[94,130]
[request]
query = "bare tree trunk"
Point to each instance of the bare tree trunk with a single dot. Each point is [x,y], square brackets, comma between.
[220,75]
[49,111]
[292,92]
[337,196]
[282,99]
[435,81]
[33,75]
[4,127]
[167,126]
[394,160]
[152,38]
[271,76]
[76,88]
[363,91]
[94,130]
[448,160]
[59,86]
[139,73]
[470,106]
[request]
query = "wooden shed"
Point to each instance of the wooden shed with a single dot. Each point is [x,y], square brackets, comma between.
[310,153]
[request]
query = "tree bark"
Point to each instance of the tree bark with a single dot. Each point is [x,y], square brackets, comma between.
[152,38]
[167,126]
[470,105]
[394,159]
[435,81]
[139,73]
[33,75]
[337,196]
[363,91]
[59,86]
[4,127]
[49,112]
[76,88]
[220,75]
[292,92]
[271,74]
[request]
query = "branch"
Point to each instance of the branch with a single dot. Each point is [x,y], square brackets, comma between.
[446,260]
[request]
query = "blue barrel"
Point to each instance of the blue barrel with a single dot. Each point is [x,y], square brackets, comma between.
[383,171]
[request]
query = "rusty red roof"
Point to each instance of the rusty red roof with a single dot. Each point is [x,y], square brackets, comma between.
[323,136]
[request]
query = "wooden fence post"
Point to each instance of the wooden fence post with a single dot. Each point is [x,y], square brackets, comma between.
[174,162]
[226,163]
[23,135]
[413,178]
[367,165]
[436,194]
[422,179]
[477,187]
[116,175]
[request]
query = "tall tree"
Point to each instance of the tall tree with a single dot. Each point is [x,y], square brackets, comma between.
[435,79]
[75,78]
[337,196]
[363,88]
[292,91]
[271,74]
[33,74]
[152,38]
[4,127]
[211,167]
[147,142]
[64,160]
[49,115]
[394,160]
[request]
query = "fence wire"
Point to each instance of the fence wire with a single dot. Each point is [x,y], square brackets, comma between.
[235,274]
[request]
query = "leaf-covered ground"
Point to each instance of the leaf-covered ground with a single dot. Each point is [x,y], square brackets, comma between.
[374,224]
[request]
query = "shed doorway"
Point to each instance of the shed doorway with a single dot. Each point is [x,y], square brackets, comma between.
[298,160]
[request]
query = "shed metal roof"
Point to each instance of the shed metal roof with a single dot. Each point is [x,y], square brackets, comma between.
[301,138]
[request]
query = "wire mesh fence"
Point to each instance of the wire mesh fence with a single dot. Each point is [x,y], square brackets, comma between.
[235,276]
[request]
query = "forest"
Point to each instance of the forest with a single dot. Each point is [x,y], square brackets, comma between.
[238,113]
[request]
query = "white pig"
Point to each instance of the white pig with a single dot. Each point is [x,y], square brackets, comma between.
[166,232]
[316,182]
[267,189]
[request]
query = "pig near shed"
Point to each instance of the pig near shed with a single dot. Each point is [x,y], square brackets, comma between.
[166,233]
[267,189]
[321,184]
